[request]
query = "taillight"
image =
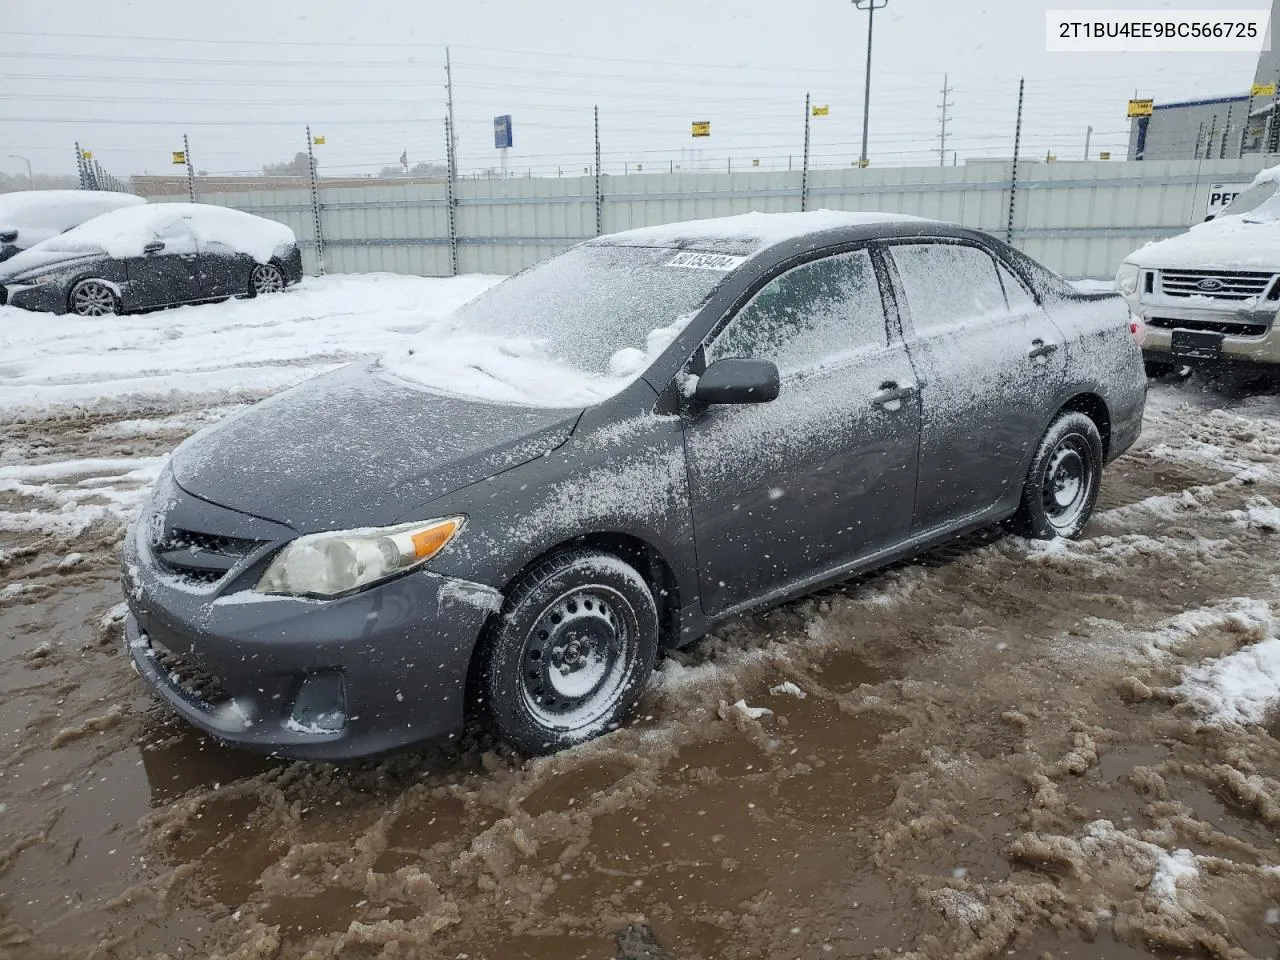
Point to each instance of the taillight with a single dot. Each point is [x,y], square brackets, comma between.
[1137,329]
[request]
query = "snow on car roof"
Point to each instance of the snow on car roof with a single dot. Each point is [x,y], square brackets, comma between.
[1269,175]
[123,233]
[59,209]
[756,231]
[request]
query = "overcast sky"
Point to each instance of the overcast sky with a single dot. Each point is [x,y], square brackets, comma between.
[243,77]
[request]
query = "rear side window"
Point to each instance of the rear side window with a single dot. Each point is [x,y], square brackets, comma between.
[815,312]
[948,284]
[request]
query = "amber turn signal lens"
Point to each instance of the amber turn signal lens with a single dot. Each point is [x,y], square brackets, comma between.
[427,543]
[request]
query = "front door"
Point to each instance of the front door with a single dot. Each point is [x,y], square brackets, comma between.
[784,491]
[170,274]
[990,363]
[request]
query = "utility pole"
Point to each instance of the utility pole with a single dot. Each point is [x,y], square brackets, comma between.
[804,175]
[191,173]
[1017,146]
[451,197]
[599,186]
[946,106]
[315,200]
[871,6]
[80,166]
[1088,141]
[453,127]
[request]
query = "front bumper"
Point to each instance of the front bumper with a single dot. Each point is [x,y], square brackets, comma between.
[402,650]
[44,297]
[1250,335]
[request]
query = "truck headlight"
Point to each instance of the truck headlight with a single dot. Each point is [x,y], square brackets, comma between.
[1127,279]
[327,565]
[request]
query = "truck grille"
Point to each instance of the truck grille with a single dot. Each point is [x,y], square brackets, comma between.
[1217,285]
[1229,327]
[201,558]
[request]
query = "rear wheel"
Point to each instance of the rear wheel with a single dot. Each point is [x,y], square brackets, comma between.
[93,298]
[1063,483]
[571,653]
[265,278]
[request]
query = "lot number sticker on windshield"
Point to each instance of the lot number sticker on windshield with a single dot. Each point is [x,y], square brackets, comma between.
[706,261]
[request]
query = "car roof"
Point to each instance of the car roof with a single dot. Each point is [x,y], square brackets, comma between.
[750,234]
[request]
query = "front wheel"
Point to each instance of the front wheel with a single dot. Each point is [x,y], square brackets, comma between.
[265,278]
[1063,483]
[571,652]
[93,298]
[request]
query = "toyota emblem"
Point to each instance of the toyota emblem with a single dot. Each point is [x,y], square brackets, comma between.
[155,529]
[1209,285]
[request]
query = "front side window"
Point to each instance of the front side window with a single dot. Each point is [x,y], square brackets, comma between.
[948,285]
[817,311]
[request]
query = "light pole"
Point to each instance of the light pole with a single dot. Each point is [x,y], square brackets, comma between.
[31,181]
[871,6]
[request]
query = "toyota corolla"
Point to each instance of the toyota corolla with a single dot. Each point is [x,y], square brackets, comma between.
[604,457]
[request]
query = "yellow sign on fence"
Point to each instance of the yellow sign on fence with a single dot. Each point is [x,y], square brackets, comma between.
[1104,155]
[1263,90]
[821,111]
[87,154]
[317,141]
[1141,108]
[702,128]
[179,156]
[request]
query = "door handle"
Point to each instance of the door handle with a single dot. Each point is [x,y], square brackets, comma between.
[891,396]
[1041,349]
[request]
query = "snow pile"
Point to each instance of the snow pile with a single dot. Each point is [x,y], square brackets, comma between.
[80,493]
[213,353]
[1258,514]
[1241,688]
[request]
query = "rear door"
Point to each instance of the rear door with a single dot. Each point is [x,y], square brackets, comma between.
[787,490]
[170,275]
[221,272]
[990,364]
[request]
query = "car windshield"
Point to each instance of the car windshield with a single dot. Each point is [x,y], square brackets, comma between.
[1260,202]
[586,306]
[568,332]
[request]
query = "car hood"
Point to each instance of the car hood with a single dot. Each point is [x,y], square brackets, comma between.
[357,448]
[1228,243]
[36,261]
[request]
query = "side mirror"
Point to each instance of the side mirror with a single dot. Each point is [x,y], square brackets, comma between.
[154,246]
[738,381]
[8,236]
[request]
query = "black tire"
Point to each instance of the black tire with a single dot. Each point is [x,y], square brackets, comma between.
[265,278]
[571,652]
[93,298]
[1063,483]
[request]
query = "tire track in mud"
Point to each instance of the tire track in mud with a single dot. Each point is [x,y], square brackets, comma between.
[989,757]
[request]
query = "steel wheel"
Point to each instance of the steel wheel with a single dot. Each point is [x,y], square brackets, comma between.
[93,298]
[266,278]
[1063,481]
[1067,482]
[570,653]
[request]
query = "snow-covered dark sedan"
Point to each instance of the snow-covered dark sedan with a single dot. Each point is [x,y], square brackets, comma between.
[149,256]
[605,456]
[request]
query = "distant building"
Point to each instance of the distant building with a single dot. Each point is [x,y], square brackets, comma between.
[1224,127]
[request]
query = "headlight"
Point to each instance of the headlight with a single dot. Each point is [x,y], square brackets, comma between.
[36,281]
[1127,279]
[330,564]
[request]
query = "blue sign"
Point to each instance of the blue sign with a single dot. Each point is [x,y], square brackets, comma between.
[502,131]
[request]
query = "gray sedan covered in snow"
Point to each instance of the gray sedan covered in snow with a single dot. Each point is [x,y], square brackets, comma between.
[155,255]
[604,457]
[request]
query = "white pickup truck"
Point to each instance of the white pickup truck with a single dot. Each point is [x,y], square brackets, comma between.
[1210,296]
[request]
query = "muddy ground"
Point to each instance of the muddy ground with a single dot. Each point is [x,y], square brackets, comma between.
[990,757]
